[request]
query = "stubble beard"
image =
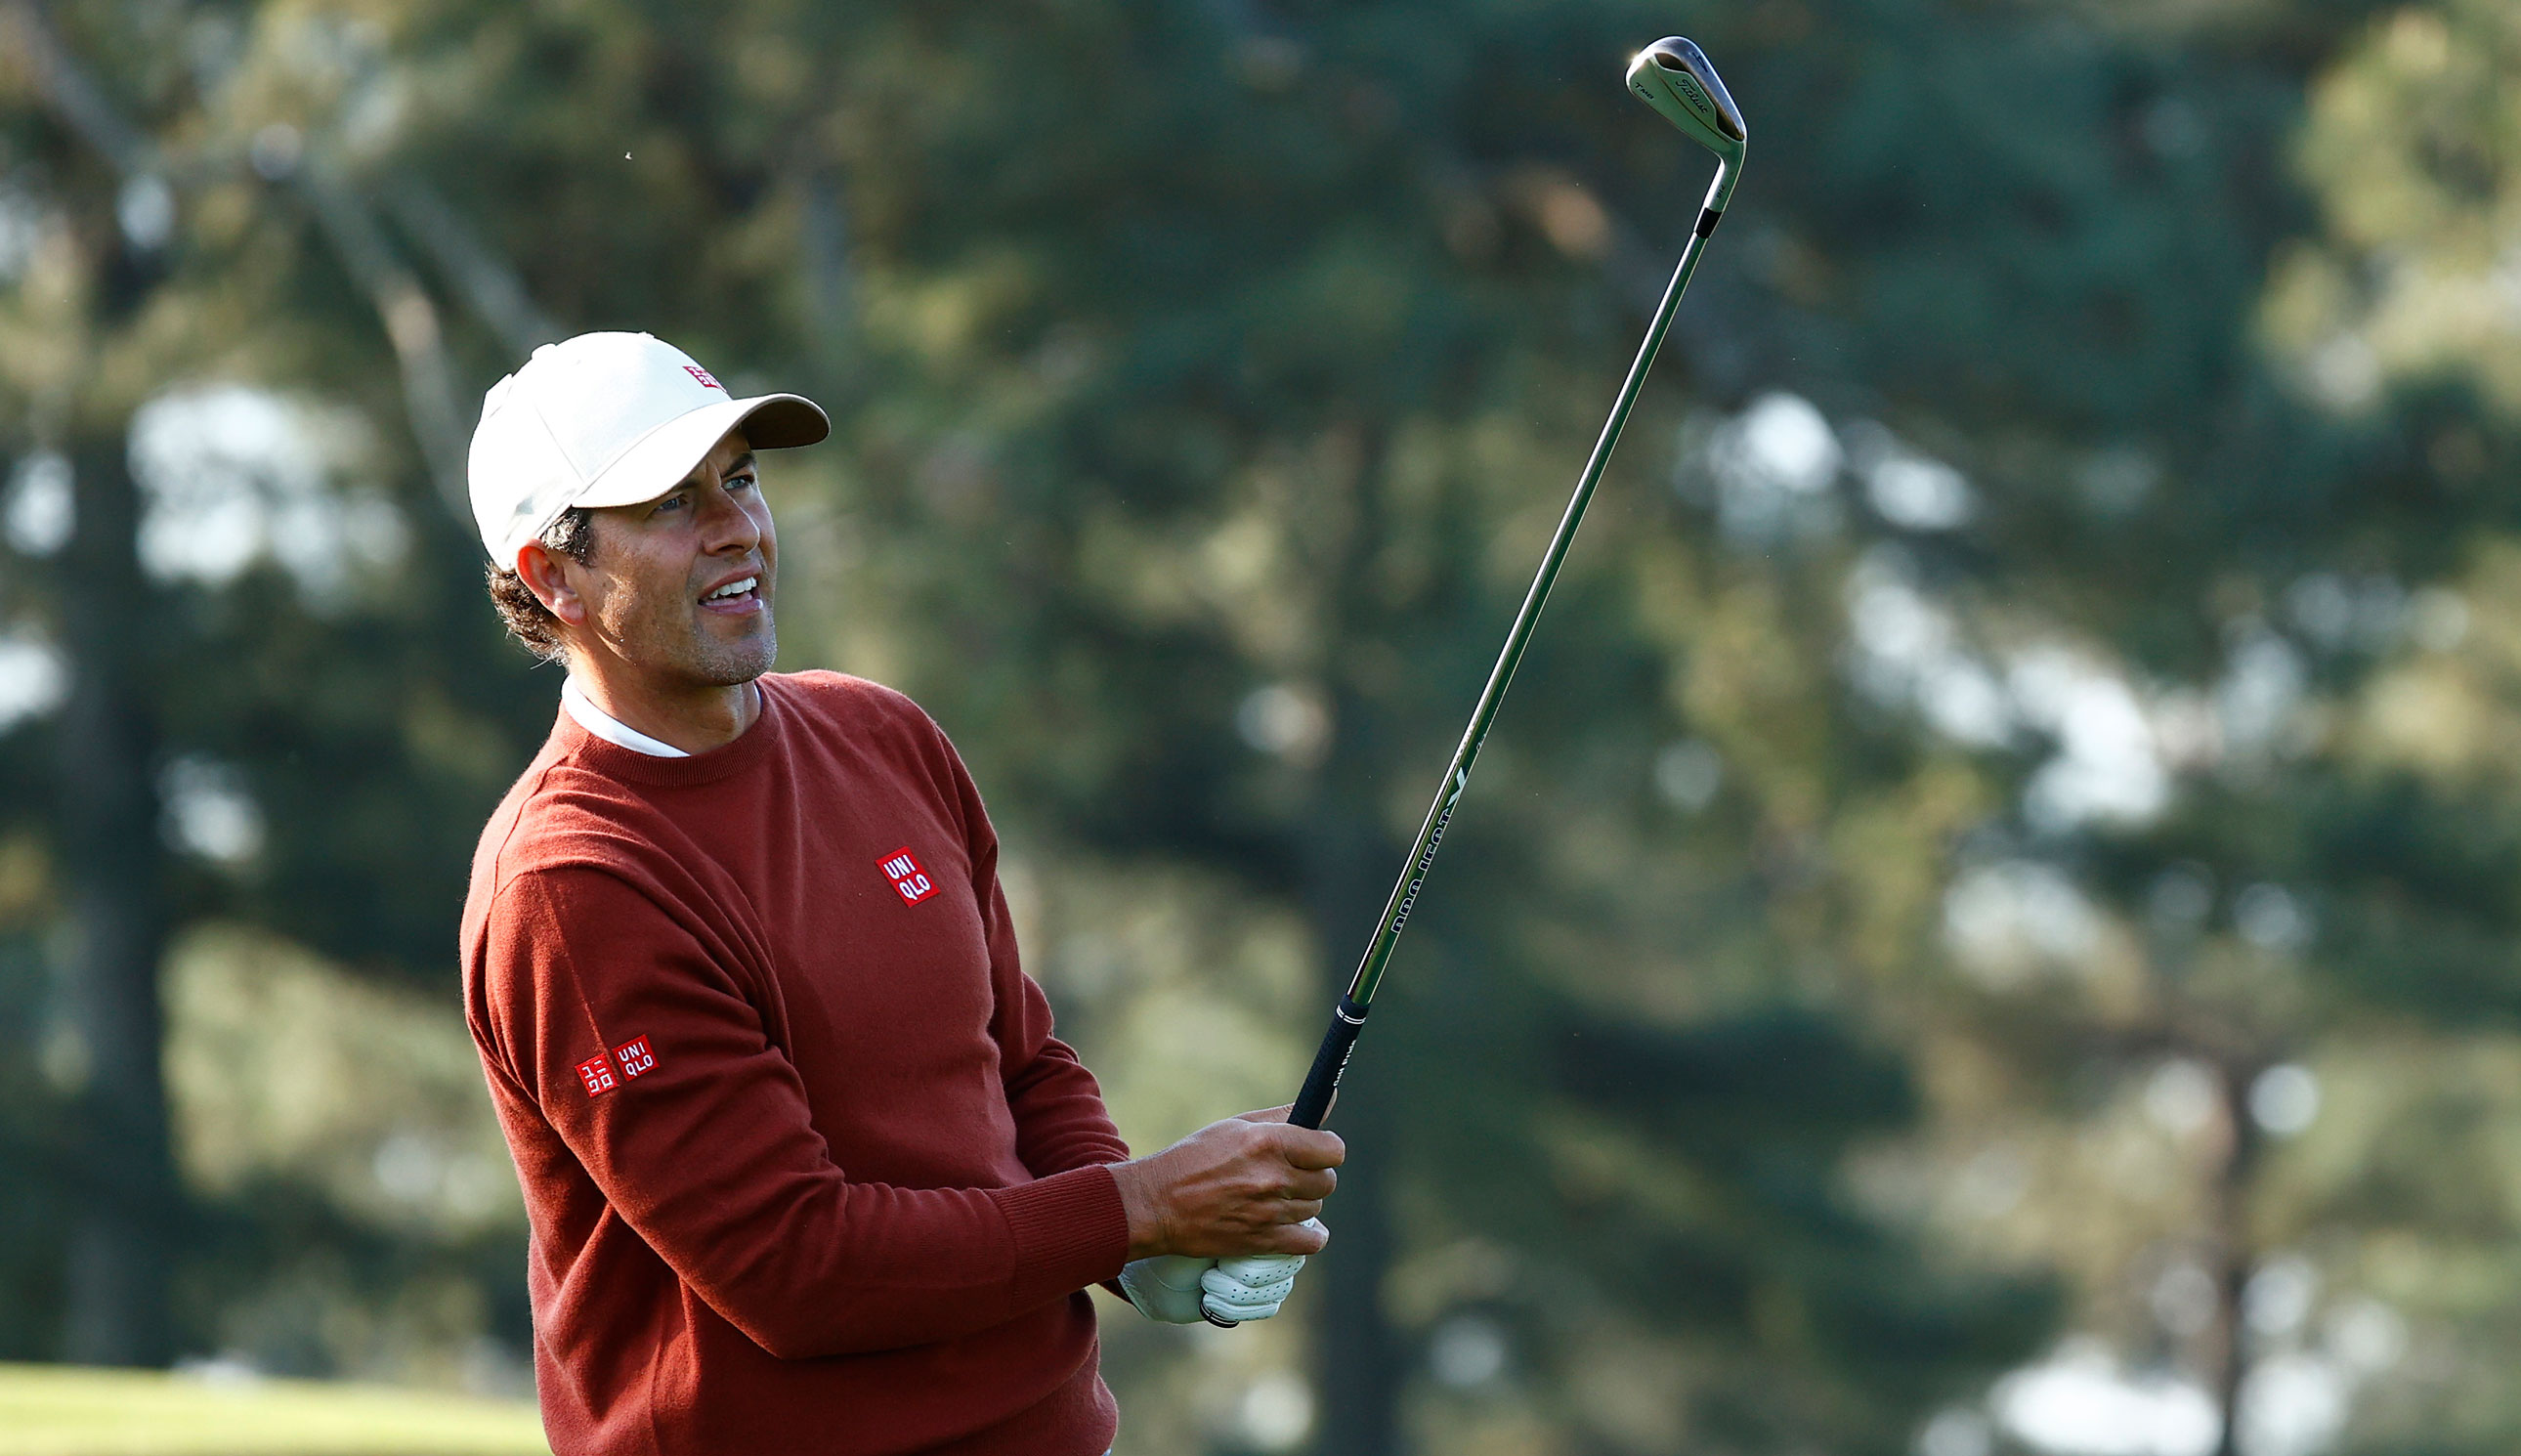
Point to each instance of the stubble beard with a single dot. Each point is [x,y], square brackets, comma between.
[721,663]
[689,652]
[726,664]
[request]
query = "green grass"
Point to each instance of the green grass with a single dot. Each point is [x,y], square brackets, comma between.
[60,1410]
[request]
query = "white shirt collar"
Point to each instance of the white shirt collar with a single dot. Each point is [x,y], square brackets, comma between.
[609,728]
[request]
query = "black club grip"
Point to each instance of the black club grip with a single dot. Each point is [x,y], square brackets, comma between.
[1321,1088]
[1330,1063]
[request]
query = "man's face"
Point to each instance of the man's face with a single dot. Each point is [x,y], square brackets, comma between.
[679,587]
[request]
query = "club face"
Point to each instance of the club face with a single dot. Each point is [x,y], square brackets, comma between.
[1675,78]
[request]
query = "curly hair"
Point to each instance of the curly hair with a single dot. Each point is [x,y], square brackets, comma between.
[527,620]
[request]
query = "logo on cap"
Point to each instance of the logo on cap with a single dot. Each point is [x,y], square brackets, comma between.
[704,377]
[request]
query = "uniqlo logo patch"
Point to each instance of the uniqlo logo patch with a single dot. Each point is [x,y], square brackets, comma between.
[906,876]
[704,377]
[596,1073]
[634,1057]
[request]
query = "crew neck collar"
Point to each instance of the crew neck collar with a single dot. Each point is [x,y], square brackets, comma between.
[611,729]
[615,762]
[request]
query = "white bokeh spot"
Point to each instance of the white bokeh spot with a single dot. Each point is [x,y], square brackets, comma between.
[2081,1403]
[2006,921]
[2108,767]
[1773,466]
[231,476]
[33,679]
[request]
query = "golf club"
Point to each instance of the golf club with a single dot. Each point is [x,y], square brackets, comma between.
[1673,77]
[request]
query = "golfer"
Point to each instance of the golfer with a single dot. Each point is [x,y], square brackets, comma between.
[807,1171]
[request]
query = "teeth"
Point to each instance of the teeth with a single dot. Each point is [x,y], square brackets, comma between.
[735,588]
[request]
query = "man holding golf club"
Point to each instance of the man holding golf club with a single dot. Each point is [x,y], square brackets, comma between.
[805,1165]
[806,1168]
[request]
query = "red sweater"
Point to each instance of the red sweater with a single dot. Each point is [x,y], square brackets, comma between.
[806,1168]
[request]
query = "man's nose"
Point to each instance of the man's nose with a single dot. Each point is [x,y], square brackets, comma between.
[726,526]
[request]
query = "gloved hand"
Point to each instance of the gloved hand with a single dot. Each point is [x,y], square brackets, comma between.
[1166,1287]
[1251,1285]
[1175,1288]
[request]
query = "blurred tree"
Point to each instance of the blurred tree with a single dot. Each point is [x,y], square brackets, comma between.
[144,263]
[108,268]
[2223,450]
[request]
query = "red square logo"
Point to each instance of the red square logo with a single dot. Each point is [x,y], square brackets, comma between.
[634,1057]
[704,377]
[906,876]
[597,1073]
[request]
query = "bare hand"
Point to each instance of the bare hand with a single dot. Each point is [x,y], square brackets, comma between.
[1245,1185]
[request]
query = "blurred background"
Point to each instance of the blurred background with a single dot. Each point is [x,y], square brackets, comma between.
[1991,924]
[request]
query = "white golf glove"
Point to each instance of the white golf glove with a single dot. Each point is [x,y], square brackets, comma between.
[1165,1289]
[1177,1290]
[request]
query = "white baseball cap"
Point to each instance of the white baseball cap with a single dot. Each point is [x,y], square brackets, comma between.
[608,420]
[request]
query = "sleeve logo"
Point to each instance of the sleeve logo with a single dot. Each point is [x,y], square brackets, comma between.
[906,876]
[596,1073]
[634,1057]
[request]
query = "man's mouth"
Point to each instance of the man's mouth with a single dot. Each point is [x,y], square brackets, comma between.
[740,594]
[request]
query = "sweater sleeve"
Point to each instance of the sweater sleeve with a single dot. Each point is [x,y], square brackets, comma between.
[653,1067]
[1061,1123]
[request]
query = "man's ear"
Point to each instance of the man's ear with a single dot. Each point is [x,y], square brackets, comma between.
[544,576]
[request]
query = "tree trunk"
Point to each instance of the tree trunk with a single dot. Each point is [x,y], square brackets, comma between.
[1361,1361]
[115,867]
[2233,1258]
[1351,864]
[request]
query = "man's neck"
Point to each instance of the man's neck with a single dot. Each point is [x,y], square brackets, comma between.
[694,720]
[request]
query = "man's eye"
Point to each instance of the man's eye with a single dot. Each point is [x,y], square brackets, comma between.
[741,483]
[670,503]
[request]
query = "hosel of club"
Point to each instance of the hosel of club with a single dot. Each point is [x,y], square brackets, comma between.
[1720,192]
[1312,1105]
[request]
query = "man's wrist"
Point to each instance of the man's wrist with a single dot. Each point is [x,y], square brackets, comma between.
[1143,1205]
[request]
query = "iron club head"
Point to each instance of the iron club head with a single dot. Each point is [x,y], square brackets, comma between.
[1675,77]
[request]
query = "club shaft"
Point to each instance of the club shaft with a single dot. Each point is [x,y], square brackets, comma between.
[1330,1062]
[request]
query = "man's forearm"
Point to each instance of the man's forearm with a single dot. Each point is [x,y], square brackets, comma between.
[896,1275]
[1061,1123]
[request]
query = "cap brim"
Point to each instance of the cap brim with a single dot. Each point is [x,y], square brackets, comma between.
[666,456]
